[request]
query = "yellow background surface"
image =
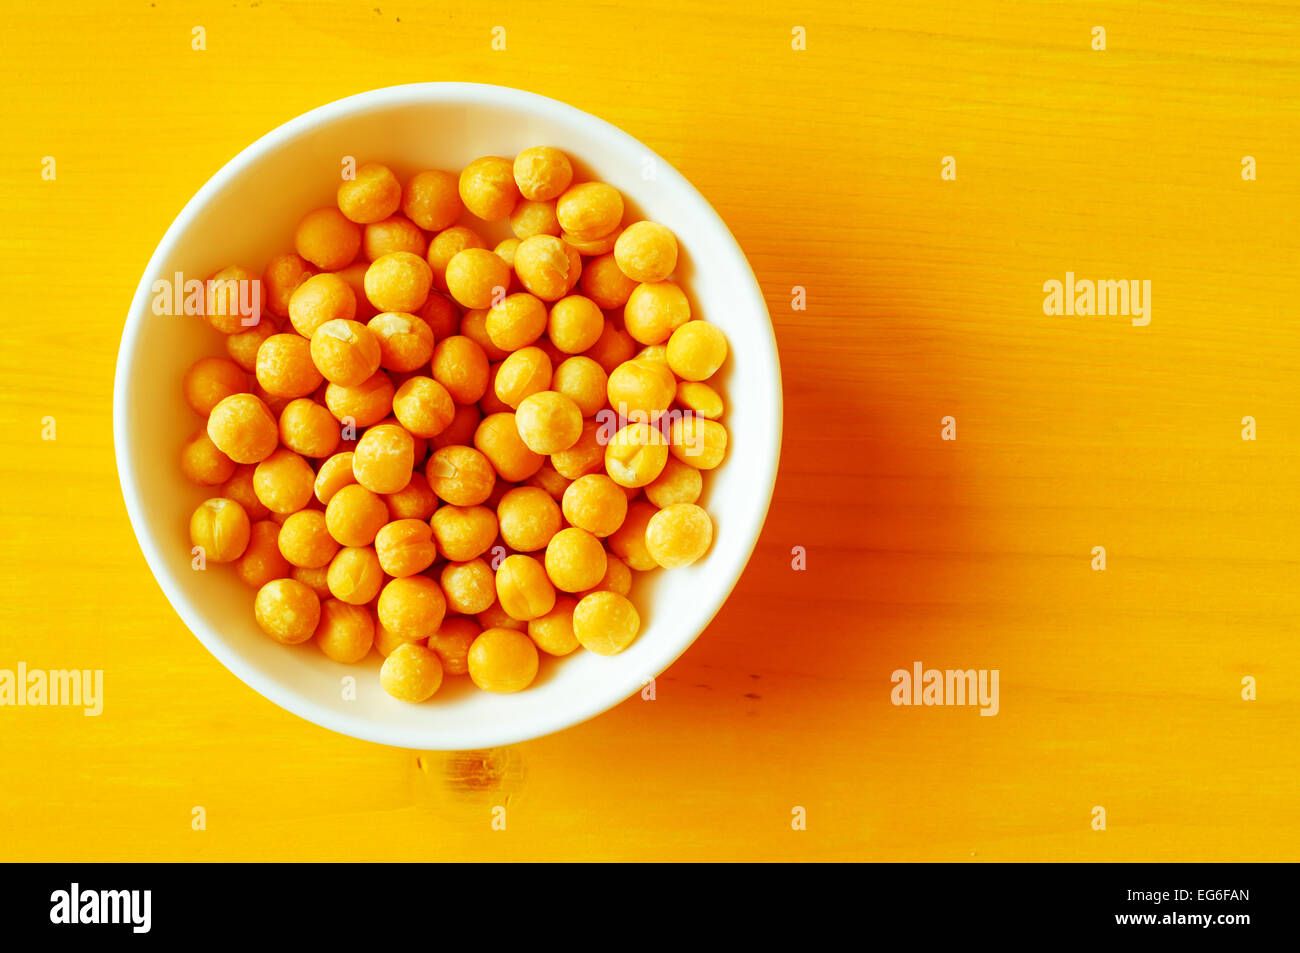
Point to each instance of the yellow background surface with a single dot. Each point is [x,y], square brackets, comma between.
[1119,689]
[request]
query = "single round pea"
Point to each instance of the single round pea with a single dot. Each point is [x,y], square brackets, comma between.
[424,407]
[211,380]
[523,588]
[287,611]
[464,532]
[321,298]
[411,673]
[344,633]
[355,575]
[574,324]
[547,267]
[344,352]
[575,560]
[412,607]
[487,187]
[203,463]
[328,239]
[308,429]
[462,476]
[432,200]
[583,381]
[678,535]
[477,278]
[304,540]
[516,321]
[654,312]
[284,482]
[696,350]
[470,587]
[641,389]
[528,517]
[595,503]
[502,660]
[221,528]
[354,515]
[384,458]
[405,547]
[371,195]
[527,371]
[605,622]
[646,252]
[548,422]
[405,341]
[542,173]
[461,366]
[399,281]
[286,366]
[636,455]
[590,209]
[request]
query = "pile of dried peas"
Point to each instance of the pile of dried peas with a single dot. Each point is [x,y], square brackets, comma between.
[443,451]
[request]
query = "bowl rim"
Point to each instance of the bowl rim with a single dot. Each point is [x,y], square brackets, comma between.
[359,726]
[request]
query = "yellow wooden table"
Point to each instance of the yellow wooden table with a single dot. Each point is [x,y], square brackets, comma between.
[921,171]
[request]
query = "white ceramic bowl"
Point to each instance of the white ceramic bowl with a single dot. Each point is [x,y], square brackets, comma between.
[246,213]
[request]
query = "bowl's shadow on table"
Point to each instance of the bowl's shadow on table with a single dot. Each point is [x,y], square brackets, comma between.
[867,536]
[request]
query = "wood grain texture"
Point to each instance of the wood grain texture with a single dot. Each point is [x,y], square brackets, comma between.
[1118,688]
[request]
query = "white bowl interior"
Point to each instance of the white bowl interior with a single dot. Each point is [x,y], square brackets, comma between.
[246,214]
